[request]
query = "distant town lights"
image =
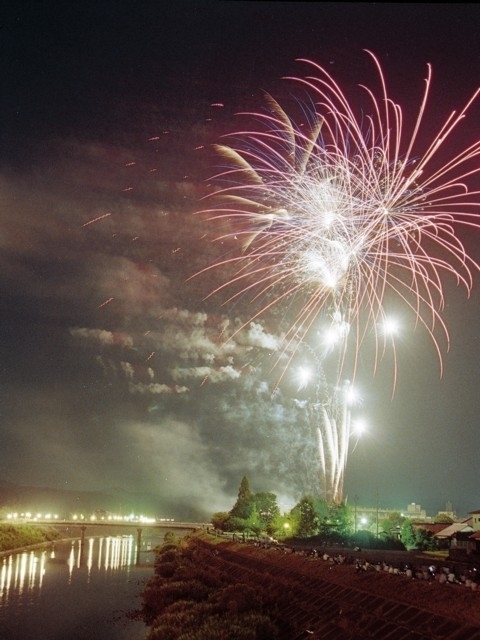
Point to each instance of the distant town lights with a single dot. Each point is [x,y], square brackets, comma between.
[97,516]
[27,515]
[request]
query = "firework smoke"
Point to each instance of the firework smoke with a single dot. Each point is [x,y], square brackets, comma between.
[333,215]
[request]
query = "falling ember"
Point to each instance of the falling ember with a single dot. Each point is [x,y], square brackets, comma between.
[105,303]
[105,215]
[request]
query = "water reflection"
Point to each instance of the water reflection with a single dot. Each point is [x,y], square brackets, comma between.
[75,590]
[26,571]
[21,571]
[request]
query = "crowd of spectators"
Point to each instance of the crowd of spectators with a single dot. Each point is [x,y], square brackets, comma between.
[443,573]
[449,574]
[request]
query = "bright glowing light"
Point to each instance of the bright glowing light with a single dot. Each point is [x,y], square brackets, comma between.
[335,333]
[359,427]
[304,376]
[351,395]
[390,326]
[338,213]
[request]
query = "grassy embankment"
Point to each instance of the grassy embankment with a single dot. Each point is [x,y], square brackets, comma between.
[192,597]
[23,535]
[197,593]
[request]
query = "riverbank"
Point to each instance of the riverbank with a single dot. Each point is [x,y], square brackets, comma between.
[209,583]
[16,537]
[381,573]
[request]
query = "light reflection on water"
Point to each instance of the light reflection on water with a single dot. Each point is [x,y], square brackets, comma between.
[26,570]
[20,570]
[75,591]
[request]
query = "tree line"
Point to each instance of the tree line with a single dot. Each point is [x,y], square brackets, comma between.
[258,514]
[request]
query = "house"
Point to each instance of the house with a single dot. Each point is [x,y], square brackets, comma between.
[475,536]
[456,537]
[431,527]
[475,516]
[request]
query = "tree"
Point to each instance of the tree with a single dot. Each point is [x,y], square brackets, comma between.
[220,520]
[424,540]
[239,524]
[244,505]
[334,520]
[443,518]
[415,537]
[407,534]
[254,523]
[392,524]
[322,508]
[267,510]
[341,519]
[307,520]
[254,512]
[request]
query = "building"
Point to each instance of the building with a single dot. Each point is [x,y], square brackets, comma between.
[474,537]
[415,512]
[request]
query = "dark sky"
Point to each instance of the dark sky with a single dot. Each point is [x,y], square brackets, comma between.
[113,368]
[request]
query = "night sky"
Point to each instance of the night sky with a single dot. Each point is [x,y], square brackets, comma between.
[114,368]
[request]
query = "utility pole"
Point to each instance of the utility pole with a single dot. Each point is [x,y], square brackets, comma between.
[355,502]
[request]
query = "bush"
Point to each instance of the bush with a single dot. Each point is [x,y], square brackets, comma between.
[367,540]
[159,594]
[239,598]
[226,627]
[166,569]
[169,537]
[188,599]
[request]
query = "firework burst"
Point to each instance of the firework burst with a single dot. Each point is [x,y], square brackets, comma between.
[338,213]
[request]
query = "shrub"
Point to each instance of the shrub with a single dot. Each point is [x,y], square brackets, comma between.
[166,569]
[227,627]
[239,598]
[189,599]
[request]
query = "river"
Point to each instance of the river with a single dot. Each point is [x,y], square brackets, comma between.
[67,592]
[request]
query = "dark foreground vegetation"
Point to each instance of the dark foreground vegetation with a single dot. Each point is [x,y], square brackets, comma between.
[22,535]
[191,599]
[207,587]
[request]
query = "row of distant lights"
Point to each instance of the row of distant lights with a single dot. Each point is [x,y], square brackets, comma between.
[81,517]
[29,516]
[112,518]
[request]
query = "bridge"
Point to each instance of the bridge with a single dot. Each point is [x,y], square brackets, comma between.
[148,534]
[81,528]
